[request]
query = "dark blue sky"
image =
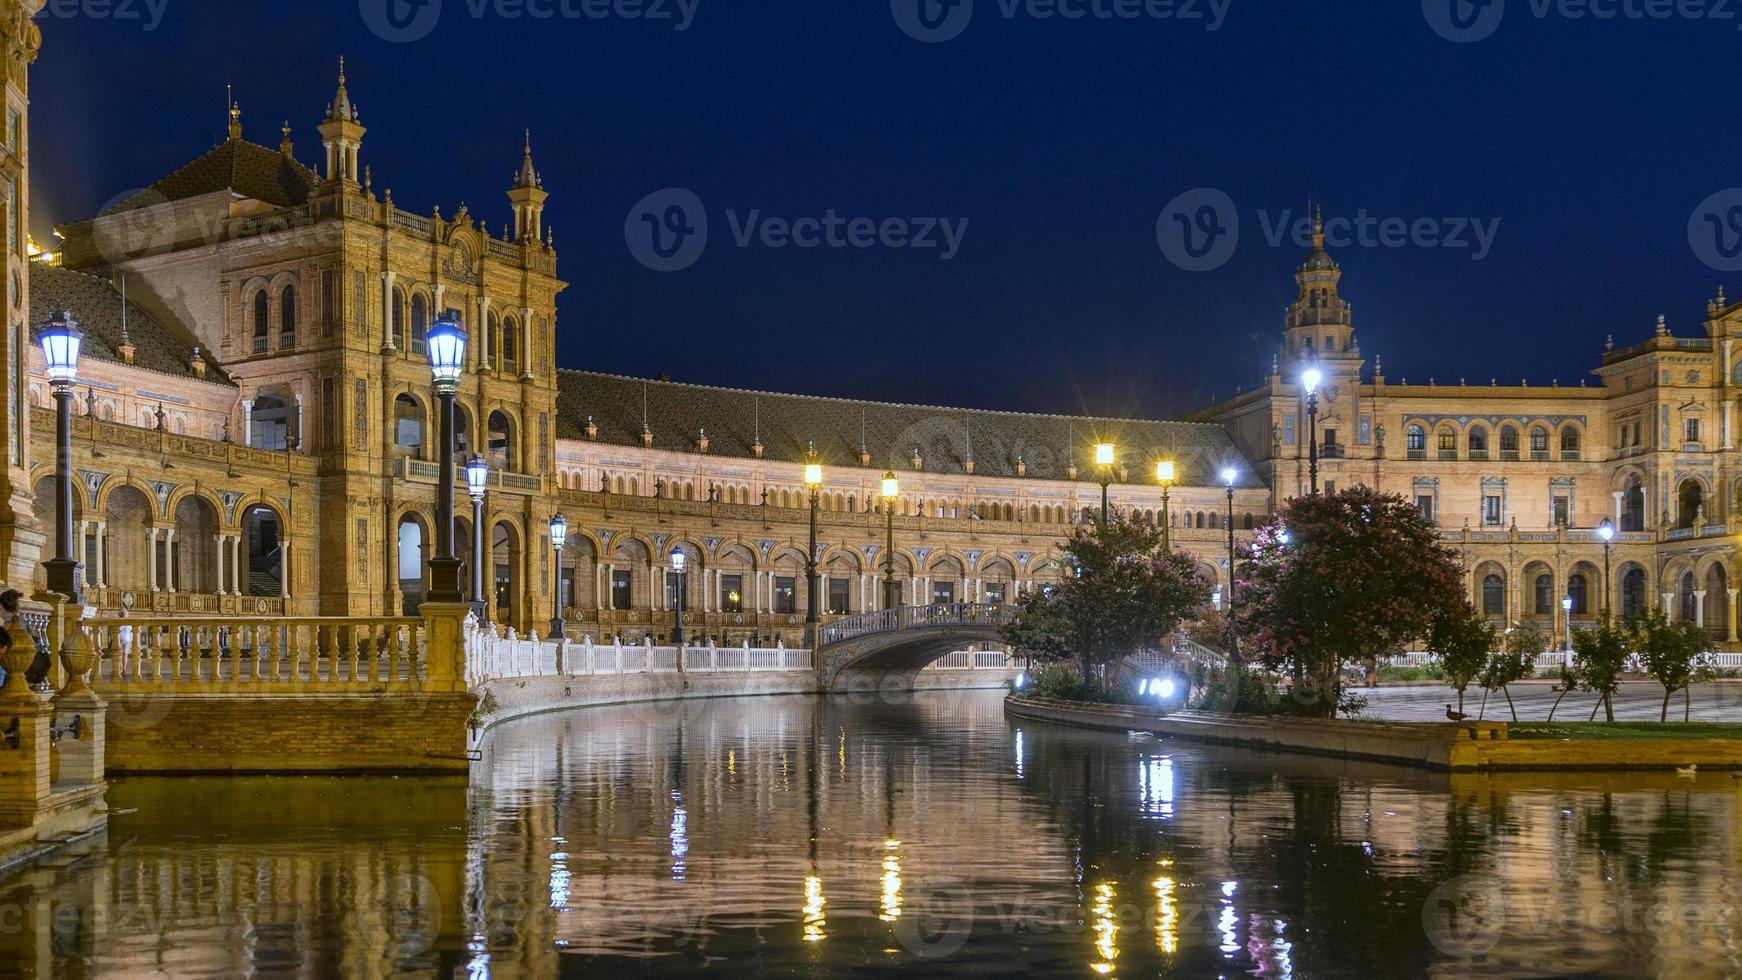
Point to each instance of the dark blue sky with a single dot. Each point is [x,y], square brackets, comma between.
[1061,141]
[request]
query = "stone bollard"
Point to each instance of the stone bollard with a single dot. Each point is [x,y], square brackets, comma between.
[81,752]
[444,645]
[26,751]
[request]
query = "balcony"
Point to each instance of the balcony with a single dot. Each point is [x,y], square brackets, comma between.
[1509,455]
[1418,454]
[1479,455]
[1571,455]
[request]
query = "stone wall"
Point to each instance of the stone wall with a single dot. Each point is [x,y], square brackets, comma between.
[420,732]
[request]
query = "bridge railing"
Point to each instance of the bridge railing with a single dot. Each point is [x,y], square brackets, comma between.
[241,655]
[989,614]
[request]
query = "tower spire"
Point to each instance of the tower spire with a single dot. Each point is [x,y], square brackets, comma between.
[234,111]
[527,196]
[342,133]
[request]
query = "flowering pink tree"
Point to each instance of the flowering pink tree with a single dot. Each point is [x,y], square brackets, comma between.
[1341,578]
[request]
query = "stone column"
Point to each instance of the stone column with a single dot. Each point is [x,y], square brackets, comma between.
[526,352]
[101,559]
[284,569]
[170,576]
[1669,609]
[151,551]
[387,309]
[236,564]
[247,421]
[1730,614]
[610,585]
[480,336]
[1618,495]
[1700,607]
[1729,442]
[219,546]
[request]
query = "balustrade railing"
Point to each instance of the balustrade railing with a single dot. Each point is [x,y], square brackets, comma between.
[259,655]
[994,615]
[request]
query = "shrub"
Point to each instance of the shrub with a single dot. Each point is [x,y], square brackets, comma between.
[1060,682]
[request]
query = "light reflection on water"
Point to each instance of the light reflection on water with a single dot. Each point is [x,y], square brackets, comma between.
[803,837]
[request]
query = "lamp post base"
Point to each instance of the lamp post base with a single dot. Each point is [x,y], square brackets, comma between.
[556,628]
[444,581]
[63,579]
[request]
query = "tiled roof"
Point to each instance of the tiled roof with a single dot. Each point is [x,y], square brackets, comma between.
[239,166]
[96,305]
[676,413]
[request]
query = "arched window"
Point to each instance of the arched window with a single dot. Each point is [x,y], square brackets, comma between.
[270,423]
[287,317]
[262,320]
[1539,443]
[1569,443]
[399,304]
[1632,592]
[492,350]
[407,423]
[1508,442]
[1633,508]
[1478,442]
[501,443]
[419,322]
[1691,499]
[510,345]
[1580,589]
[1448,442]
[1545,604]
[1416,440]
[1494,596]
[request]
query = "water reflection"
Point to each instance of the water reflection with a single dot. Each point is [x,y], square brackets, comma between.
[803,837]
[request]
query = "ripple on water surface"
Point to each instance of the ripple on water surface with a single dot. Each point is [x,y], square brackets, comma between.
[798,836]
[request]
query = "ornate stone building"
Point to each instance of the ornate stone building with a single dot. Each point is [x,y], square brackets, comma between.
[255,429]
[1520,476]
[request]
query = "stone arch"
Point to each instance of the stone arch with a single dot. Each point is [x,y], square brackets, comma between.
[1538,588]
[507,579]
[1490,590]
[501,440]
[1715,581]
[948,574]
[413,548]
[1634,588]
[999,581]
[1585,585]
[263,534]
[840,586]
[1692,496]
[193,555]
[1571,439]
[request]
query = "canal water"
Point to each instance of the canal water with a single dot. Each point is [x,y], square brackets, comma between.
[931,837]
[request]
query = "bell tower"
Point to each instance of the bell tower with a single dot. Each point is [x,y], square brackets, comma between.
[1320,323]
[528,196]
[342,134]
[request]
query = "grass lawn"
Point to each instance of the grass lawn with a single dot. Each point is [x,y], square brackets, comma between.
[1626,730]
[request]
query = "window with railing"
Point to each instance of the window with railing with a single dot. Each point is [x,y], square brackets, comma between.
[1539,444]
[1448,442]
[1415,441]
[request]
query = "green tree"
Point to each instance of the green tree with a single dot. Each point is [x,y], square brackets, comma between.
[1124,592]
[1514,661]
[1669,651]
[1341,578]
[1599,657]
[1462,639]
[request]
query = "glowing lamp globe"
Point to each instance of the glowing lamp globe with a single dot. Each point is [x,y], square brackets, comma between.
[1606,530]
[446,342]
[813,475]
[60,339]
[891,486]
[1567,603]
[1165,471]
[1228,477]
[677,561]
[1310,379]
[477,476]
[559,531]
[1104,454]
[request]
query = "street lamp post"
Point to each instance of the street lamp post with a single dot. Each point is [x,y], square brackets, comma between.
[813,478]
[1309,380]
[1165,473]
[678,558]
[559,534]
[1104,454]
[477,482]
[1229,475]
[1567,609]
[60,340]
[891,493]
[446,343]
[1606,531]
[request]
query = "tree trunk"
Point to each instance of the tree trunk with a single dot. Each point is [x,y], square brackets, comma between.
[1513,707]
[1687,702]
[1557,703]
[1609,707]
[1595,708]
[1482,714]
[1460,699]
[1663,715]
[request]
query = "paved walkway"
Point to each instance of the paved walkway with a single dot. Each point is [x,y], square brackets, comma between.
[1636,701]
